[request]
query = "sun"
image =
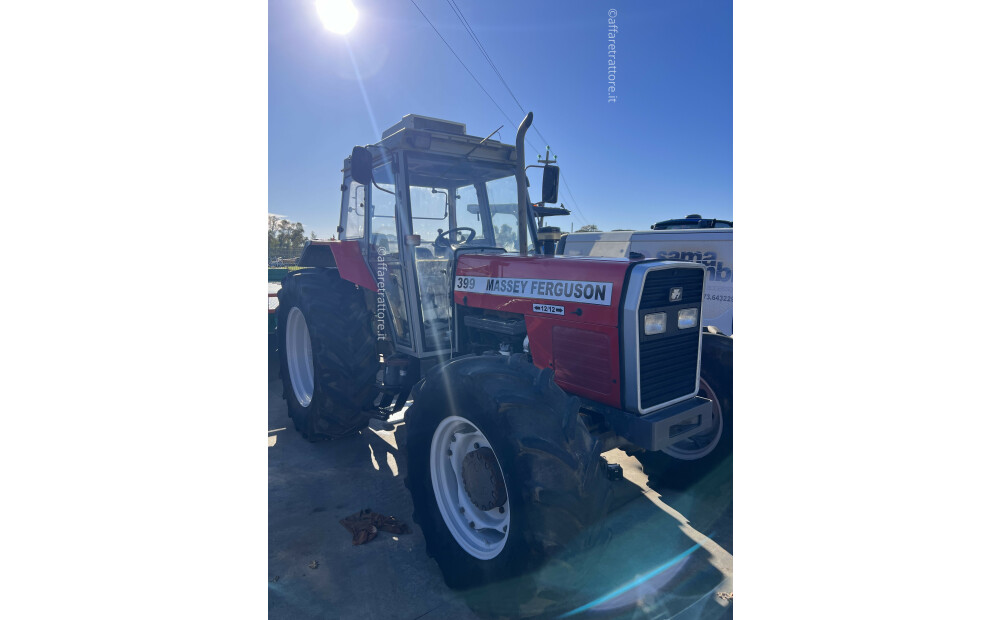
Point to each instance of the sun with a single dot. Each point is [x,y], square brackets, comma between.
[338,16]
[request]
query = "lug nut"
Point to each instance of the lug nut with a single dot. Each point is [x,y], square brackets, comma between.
[472,524]
[449,452]
[476,445]
[461,509]
[502,510]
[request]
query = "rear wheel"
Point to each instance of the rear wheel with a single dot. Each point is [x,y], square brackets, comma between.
[327,355]
[685,462]
[502,471]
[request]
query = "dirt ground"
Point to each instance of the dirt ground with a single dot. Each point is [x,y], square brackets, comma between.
[666,554]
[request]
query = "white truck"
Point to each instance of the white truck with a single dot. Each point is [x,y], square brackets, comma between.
[712,247]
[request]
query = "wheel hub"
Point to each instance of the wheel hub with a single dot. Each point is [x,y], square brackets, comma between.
[482,479]
[470,488]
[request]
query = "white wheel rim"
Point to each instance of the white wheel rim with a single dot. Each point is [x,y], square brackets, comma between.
[298,350]
[485,539]
[700,446]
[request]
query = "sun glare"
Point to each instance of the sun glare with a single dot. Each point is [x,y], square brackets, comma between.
[338,16]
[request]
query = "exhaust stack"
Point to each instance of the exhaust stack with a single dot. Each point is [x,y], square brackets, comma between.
[522,187]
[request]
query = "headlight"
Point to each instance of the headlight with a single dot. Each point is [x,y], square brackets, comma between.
[687,318]
[656,323]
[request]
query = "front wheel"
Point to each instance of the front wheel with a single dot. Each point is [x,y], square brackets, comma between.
[470,488]
[502,470]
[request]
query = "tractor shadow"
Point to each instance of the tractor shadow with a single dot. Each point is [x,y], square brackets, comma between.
[706,505]
[314,569]
[661,552]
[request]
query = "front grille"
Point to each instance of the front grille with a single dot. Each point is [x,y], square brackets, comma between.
[656,290]
[668,363]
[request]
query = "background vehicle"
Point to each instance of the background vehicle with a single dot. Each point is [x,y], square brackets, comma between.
[523,366]
[707,242]
[691,221]
[709,246]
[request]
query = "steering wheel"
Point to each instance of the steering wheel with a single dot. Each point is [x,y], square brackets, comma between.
[442,242]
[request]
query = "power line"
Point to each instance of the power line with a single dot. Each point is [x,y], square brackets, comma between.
[565,183]
[472,75]
[535,127]
[482,48]
[457,57]
[468,27]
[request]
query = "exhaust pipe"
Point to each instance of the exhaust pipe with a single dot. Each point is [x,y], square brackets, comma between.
[522,187]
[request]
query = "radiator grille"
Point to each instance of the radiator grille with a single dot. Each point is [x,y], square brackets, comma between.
[656,291]
[668,363]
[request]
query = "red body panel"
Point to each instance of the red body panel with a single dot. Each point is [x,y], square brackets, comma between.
[350,263]
[582,349]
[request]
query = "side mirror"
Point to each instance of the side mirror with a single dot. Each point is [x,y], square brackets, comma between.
[550,184]
[361,165]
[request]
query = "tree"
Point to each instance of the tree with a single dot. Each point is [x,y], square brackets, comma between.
[284,236]
[588,228]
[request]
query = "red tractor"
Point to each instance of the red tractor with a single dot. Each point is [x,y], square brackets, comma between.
[523,367]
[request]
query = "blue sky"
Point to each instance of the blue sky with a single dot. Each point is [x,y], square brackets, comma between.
[663,149]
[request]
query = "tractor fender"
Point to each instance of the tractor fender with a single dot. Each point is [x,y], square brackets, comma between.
[345,256]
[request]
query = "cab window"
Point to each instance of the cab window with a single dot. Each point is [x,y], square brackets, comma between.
[353,206]
[502,196]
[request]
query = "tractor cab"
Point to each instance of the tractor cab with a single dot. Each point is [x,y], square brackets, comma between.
[415,200]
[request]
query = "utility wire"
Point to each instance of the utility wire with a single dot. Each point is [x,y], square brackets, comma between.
[457,57]
[482,48]
[472,75]
[468,27]
[565,183]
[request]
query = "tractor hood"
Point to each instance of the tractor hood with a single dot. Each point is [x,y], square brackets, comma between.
[585,290]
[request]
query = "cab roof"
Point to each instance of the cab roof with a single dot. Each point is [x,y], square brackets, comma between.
[433,135]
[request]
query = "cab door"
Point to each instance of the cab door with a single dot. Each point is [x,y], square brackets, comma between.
[385,242]
[442,213]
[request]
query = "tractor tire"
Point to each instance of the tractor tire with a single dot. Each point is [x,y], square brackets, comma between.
[531,482]
[685,463]
[326,353]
